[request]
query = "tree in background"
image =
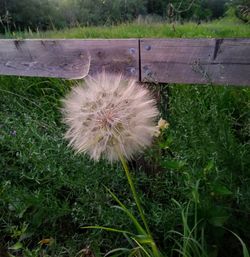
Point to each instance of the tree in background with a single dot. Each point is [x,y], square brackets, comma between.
[67,13]
[187,9]
[49,14]
[242,9]
[27,13]
[108,11]
[195,9]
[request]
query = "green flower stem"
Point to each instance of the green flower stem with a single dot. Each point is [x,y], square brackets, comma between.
[132,187]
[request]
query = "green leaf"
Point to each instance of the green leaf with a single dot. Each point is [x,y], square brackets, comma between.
[108,229]
[218,221]
[209,166]
[142,239]
[166,144]
[221,190]
[142,248]
[244,247]
[129,213]
[218,216]
[121,250]
[16,246]
[172,164]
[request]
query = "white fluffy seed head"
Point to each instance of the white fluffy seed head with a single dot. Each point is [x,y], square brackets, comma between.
[109,114]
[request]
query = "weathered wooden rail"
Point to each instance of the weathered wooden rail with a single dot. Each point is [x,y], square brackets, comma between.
[191,61]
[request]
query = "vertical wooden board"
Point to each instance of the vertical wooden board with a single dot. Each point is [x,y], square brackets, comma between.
[70,59]
[195,61]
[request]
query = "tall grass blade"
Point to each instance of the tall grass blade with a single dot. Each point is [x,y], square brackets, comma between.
[117,250]
[129,213]
[244,247]
[109,229]
[143,248]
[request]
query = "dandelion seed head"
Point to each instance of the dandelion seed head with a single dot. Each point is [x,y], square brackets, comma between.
[109,114]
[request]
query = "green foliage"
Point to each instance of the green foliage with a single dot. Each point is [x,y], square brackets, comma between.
[49,14]
[191,241]
[26,14]
[206,130]
[141,242]
[227,27]
[108,11]
[241,9]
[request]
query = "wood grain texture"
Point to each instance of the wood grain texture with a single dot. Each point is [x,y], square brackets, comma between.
[196,61]
[70,59]
[189,61]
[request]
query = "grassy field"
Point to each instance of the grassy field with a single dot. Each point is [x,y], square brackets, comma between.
[47,192]
[221,28]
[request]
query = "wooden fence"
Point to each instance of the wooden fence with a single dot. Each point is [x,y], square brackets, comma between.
[190,61]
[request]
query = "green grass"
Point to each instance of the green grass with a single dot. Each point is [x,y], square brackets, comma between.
[220,28]
[48,192]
